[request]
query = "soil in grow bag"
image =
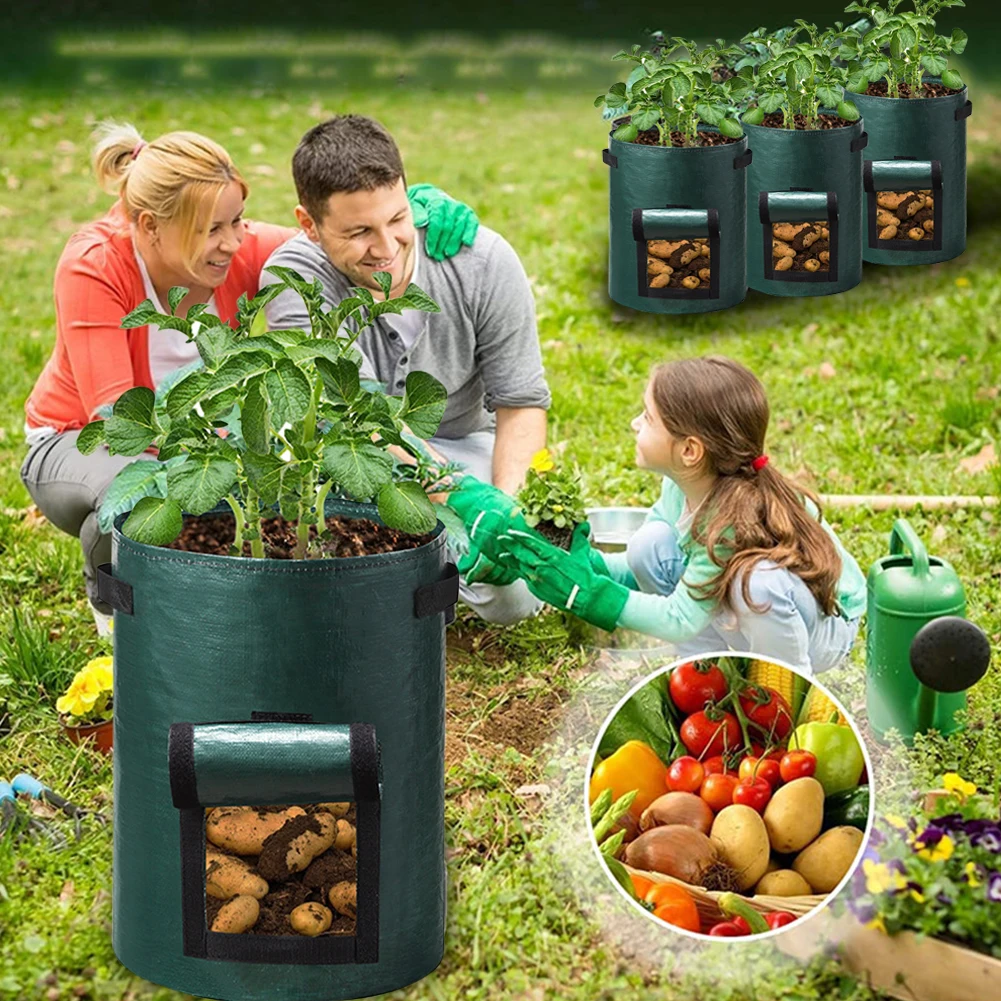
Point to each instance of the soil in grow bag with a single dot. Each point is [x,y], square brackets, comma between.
[651,137]
[215,535]
[801,246]
[905,215]
[880,89]
[680,264]
[281,870]
[774,121]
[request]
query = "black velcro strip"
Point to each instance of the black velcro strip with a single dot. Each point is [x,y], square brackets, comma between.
[112,591]
[365,767]
[860,143]
[965,111]
[440,596]
[610,158]
[744,160]
[181,764]
[265,717]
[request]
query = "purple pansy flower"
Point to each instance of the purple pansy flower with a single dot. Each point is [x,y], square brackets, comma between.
[990,840]
[930,836]
[865,912]
[994,887]
[951,823]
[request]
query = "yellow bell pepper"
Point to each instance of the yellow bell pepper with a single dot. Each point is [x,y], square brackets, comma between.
[634,765]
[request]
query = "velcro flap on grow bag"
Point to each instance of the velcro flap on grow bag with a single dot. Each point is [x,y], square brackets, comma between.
[673,223]
[901,175]
[232,764]
[795,206]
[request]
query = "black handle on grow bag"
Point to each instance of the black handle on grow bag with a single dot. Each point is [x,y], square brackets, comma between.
[610,158]
[440,596]
[113,591]
[965,111]
[859,143]
[744,160]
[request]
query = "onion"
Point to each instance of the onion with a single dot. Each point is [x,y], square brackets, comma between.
[678,808]
[682,852]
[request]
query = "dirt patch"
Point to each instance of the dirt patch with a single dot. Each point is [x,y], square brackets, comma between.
[680,264]
[215,535]
[651,137]
[774,120]
[880,89]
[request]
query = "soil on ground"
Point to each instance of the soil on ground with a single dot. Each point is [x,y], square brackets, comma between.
[774,120]
[801,246]
[905,215]
[881,89]
[215,534]
[680,264]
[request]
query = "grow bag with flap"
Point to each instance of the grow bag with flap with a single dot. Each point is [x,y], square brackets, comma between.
[322,656]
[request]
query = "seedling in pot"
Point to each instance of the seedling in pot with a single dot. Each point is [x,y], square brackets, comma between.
[551,500]
[270,418]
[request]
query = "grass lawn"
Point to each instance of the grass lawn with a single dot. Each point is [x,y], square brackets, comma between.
[886,388]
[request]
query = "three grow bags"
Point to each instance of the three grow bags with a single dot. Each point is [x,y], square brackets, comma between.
[676,226]
[914,178]
[252,682]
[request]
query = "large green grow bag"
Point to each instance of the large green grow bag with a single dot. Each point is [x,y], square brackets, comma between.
[808,182]
[278,678]
[692,197]
[919,145]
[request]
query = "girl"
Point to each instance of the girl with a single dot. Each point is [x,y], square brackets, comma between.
[732,555]
[178,221]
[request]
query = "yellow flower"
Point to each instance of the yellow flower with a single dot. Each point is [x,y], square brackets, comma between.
[919,897]
[87,686]
[958,786]
[542,461]
[878,924]
[963,282]
[895,821]
[100,669]
[879,878]
[941,852]
[971,874]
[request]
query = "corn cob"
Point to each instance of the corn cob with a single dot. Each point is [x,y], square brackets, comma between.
[818,708]
[790,685]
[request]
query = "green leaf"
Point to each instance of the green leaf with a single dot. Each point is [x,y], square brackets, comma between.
[290,278]
[424,403]
[877,70]
[200,482]
[288,337]
[599,100]
[417,298]
[935,64]
[385,280]
[958,40]
[848,111]
[268,473]
[254,418]
[857,82]
[246,345]
[829,96]
[136,405]
[145,313]
[644,716]
[174,297]
[458,537]
[340,379]
[646,119]
[731,128]
[238,369]
[359,468]
[707,113]
[626,133]
[91,435]
[771,101]
[316,347]
[218,406]
[154,521]
[139,479]
[906,37]
[289,392]
[182,398]
[755,116]
[259,325]
[952,80]
[214,344]
[405,506]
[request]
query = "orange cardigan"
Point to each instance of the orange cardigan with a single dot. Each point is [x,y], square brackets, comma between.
[97,283]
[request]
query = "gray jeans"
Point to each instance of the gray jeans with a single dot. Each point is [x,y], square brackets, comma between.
[68,488]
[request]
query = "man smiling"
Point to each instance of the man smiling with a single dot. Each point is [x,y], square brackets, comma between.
[483,345]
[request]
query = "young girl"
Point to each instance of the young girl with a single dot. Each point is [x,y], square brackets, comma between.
[732,555]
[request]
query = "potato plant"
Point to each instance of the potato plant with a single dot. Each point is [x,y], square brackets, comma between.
[271,417]
[901,46]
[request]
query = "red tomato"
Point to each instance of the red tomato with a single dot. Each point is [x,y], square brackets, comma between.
[694,684]
[675,905]
[726,929]
[797,765]
[717,791]
[710,732]
[717,765]
[768,711]
[685,774]
[779,918]
[761,768]
[754,793]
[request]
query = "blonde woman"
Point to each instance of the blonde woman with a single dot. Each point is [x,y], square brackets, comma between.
[178,220]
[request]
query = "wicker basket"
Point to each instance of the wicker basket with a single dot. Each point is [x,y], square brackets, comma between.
[707,900]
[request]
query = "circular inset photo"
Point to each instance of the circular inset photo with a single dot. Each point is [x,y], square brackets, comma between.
[729,796]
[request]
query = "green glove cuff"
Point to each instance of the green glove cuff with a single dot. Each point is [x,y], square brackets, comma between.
[602,604]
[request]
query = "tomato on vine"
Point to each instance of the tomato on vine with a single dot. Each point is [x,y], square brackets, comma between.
[695,684]
[717,791]
[768,711]
[685,774]
[754,793]
[710,731]
[797,765]
[761,768]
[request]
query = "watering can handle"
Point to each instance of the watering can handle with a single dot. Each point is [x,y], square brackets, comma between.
[903,538]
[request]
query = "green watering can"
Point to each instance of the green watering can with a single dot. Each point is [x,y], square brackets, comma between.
[921,653]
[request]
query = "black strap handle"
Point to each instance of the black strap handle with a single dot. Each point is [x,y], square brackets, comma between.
[610,158]
[744,160]
[965,111]
[860,143]
[113,591]
[440,596]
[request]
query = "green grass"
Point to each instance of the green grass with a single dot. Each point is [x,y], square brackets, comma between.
[915,352]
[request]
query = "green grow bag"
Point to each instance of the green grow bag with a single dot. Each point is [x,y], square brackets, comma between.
[252,682]
[915,145]
[685,198]
[807,183]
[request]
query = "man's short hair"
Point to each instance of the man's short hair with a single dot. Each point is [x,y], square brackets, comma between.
[346,153]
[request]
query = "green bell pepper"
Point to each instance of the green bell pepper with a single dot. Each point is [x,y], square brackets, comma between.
[849,808]
[839,756]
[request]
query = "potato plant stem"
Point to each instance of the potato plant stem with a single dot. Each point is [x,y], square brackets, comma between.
[241,525]
[253,526]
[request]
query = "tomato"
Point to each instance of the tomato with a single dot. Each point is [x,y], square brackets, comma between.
[797,765]
[726,929]
[741,923]
[768,711]
[694,684]
[641,885]
[761,768]
[674,905]
[710,732]
[685,774]
[718,765]
[778,919]
[717,791]
[754,793]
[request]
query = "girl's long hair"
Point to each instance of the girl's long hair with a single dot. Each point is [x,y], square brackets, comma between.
[749,515]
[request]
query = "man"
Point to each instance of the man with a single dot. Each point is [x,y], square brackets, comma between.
[483,345]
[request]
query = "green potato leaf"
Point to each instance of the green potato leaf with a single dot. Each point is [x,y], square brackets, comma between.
[406,507]
[155,521]
[200,481]
[424,402]
[289,392]
[360,468]
[91,435]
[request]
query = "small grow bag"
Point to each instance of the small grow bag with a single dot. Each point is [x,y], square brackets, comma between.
[322,657]
[676,226]
[804,202]
[916,171]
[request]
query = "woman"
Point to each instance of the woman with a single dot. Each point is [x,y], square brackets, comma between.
[178,221]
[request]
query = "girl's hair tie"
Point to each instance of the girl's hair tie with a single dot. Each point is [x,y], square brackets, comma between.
[759,463]
[138,146]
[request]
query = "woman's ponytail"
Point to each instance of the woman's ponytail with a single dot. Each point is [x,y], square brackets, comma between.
[114,146]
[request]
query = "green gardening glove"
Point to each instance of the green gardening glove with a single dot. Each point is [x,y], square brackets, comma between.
[565,579]
[486,512]
[477,569]
[451,224]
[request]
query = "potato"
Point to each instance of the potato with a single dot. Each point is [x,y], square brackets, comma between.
[740,837]
[334,809]
[705,274]
[892,199]
[783,883]
[311,919]
[825,233]
[306,846]
[806,240]
[690,281]
[231,877]
[242,829]
[783,264]
[787,231]
[781,249]
[704,250]
[660,248]
[916,233]
[825,256]
[795,814]
[811,264]
[345,836]
[889,233]
[824,862]
[929,225]
[661,280]
[343,898]
[237,916]
[689,255]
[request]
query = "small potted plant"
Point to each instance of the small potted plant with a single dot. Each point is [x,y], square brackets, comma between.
[551,499]
[915,106]
[85,708]
[804,185]
[676,189]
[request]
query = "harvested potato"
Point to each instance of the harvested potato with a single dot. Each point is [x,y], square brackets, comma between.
[231,877]
[885,218]
[345,835]
[889,233]
[916,206]
[811,264]
[306,846]
[892,199]
[690,281]
[689,255]
[242,829]
[311,919]
[783,263]
[916,233]
[705,274]
[783,883]
[929,225]
[825,233]
[343,898]
[654,266]
[704,249]
[805,240]
[788,231]
[354,851]
[826,861]
[782,249]
[824,256]
[660,281]
[340,809]
[237,916]
[795,814]
[739,834]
